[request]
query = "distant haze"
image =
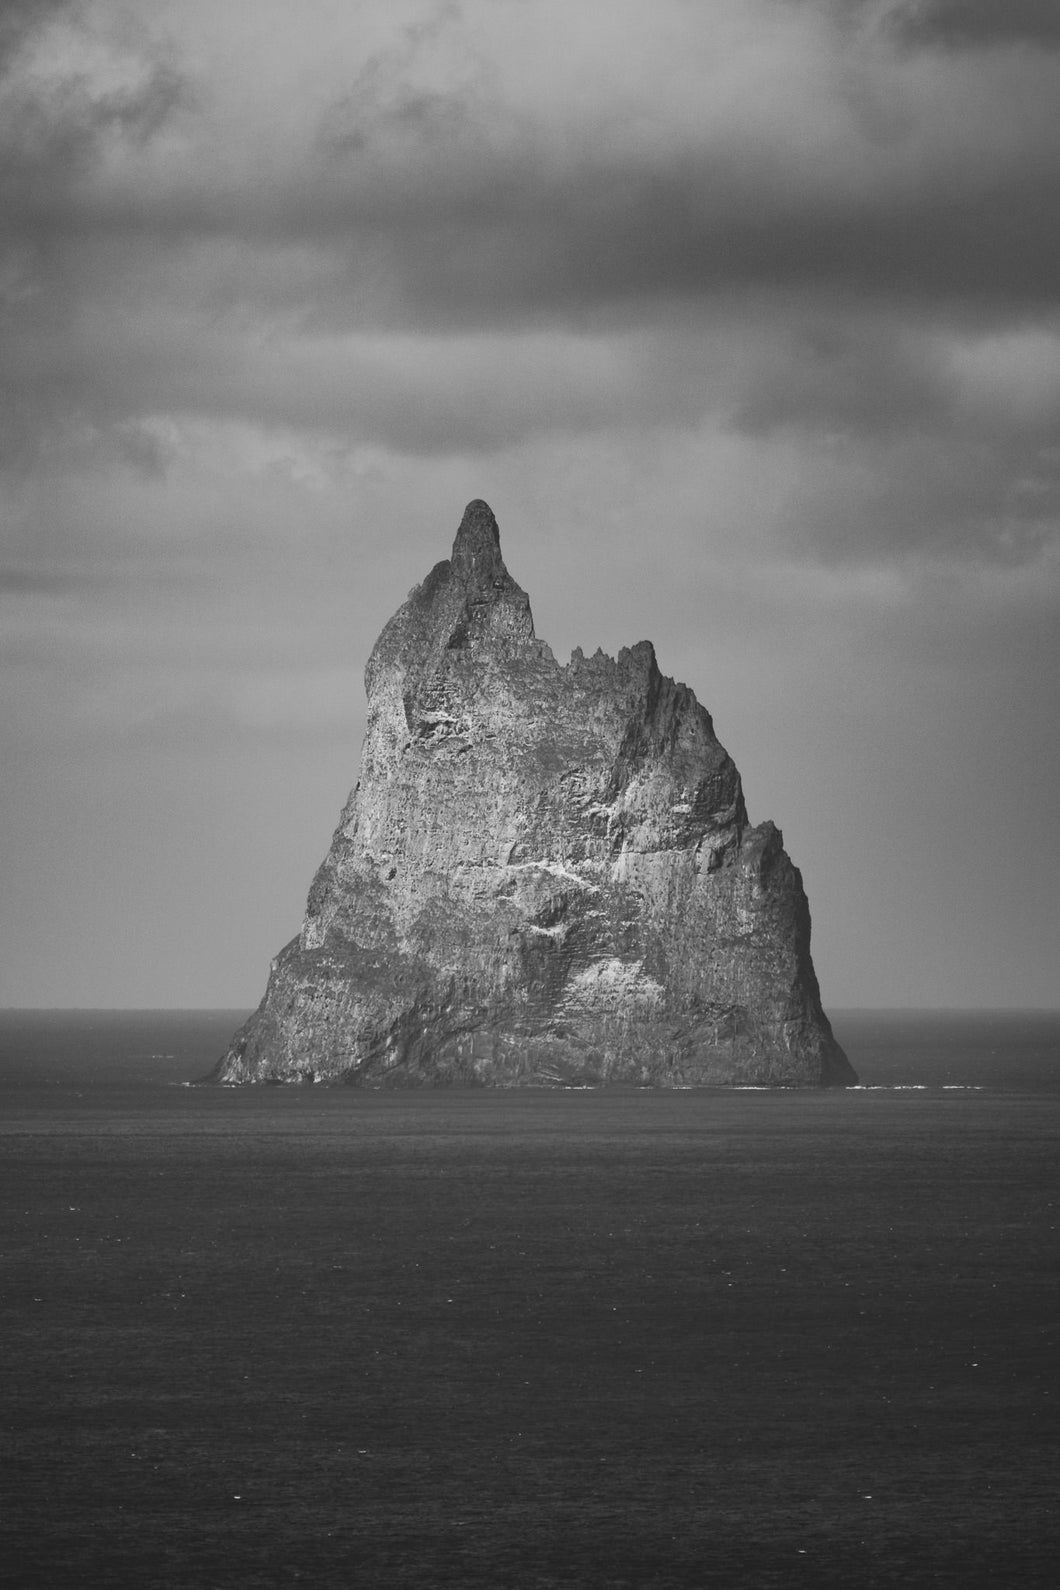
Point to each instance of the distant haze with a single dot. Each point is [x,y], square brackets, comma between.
[744,316]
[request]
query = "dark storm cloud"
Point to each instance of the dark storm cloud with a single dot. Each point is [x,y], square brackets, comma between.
[994,244]
[451,205]
[980,22]
[456,202]
[837,165]
[806,235]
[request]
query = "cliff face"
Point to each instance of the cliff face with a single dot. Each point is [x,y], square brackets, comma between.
[545,875]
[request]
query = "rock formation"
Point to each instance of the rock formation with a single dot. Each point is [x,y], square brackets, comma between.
[545,876]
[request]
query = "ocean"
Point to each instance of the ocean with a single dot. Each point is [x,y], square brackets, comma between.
[635,1340]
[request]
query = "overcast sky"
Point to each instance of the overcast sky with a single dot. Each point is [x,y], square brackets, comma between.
[743,315]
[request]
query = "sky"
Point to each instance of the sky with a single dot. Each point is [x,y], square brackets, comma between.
[743,315]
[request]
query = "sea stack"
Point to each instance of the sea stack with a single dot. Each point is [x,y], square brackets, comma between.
[545,876]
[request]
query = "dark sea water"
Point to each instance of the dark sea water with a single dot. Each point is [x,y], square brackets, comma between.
[275,1337]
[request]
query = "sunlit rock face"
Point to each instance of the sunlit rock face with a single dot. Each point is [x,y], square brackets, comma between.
[544,876]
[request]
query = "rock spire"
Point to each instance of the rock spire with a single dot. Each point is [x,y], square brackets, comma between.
[545,876]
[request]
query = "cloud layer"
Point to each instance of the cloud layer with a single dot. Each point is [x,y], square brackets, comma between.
[745,307]
[473,224]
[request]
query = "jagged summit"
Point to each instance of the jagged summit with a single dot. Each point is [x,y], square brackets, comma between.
[466,604]
[545,875]
[476,555]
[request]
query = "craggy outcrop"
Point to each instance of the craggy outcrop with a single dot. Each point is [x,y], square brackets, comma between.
[545,876]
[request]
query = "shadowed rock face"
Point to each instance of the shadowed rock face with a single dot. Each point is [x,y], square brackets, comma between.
[545,875]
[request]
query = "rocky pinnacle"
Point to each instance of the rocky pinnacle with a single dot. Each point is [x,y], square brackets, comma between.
[545,876]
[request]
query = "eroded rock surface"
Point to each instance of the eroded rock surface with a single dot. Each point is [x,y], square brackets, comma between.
[545,875]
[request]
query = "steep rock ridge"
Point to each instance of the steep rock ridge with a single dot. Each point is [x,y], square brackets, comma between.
[545,875]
